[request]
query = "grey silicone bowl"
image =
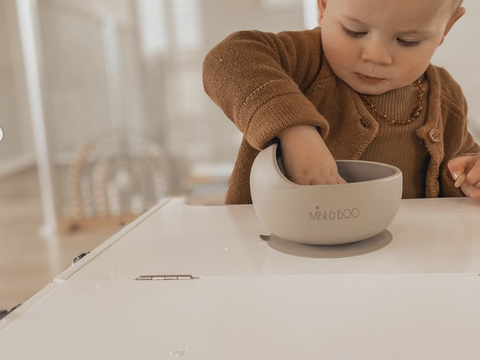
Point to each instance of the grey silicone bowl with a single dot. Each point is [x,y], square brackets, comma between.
[325,214]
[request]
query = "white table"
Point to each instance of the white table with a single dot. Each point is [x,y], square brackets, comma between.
[411,293]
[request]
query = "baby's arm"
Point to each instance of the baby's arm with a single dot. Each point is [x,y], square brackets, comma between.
[259,80]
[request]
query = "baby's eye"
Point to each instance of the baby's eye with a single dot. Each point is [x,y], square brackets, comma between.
[354,34]
[408,43]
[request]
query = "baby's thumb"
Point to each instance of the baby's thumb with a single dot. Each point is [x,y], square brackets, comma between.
[457,166]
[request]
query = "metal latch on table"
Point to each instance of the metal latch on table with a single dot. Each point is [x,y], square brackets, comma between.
[166,277]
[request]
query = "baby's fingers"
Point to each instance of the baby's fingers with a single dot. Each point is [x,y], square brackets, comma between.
[475,195]
[473,176]
[457,168]
[469,180]
[465,170]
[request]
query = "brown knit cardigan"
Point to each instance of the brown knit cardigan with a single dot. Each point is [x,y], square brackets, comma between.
[267,82]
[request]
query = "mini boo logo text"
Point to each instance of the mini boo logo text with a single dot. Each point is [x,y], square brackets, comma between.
[339,214]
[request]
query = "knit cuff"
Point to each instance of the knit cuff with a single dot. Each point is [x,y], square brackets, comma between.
[280,113]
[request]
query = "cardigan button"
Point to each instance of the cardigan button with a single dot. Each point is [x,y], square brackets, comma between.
[435,135]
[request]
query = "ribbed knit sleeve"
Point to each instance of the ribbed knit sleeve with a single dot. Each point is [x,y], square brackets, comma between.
[469,146]
[259,80]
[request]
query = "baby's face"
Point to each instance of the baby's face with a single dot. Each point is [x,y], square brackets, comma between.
[379,45]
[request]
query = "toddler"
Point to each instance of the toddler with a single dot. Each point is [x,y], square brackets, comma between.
[360,86]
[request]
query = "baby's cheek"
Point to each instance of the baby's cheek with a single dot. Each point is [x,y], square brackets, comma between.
[341,47]
[339,56]
[418,64]
[337,46]
[413,70]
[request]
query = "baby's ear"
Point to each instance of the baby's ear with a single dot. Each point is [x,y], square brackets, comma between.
[322,5]
[460,12]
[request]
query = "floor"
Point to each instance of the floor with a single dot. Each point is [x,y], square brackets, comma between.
[28,261]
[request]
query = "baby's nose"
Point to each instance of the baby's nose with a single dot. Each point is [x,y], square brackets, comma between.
[377,54]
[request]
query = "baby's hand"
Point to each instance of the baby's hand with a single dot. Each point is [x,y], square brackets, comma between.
[306,158]
[465,171]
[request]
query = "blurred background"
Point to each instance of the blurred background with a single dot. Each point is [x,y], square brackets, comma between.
[103,114]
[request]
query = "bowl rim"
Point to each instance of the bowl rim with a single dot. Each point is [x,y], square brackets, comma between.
[397,172]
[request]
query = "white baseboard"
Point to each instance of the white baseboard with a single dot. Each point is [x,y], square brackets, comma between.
[17,164]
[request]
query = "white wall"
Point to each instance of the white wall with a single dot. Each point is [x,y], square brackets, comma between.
[76,60]
[460,54]
[16,148]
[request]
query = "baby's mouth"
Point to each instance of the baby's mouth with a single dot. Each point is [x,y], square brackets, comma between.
[369,79]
